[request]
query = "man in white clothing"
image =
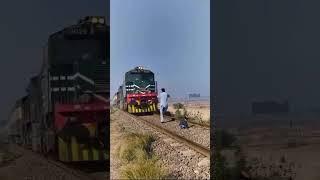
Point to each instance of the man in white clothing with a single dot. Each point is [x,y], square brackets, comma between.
[163,103]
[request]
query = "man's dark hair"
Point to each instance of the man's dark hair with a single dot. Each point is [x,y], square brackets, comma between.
[163,90]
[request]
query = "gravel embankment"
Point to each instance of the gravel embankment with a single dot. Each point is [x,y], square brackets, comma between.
[115,135]
[195,133]
[180,161]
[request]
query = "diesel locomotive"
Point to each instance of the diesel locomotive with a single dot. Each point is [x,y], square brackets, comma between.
[66,110]
[138,93]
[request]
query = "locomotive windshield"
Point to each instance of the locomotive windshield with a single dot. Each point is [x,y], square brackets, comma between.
[140,80]
[143,77]
[64,51]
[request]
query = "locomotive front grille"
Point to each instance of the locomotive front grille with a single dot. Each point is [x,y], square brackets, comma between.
[139,109]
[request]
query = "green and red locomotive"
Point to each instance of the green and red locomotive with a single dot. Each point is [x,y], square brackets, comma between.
[138,93]
[66,110]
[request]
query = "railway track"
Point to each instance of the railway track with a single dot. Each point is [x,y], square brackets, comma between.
[193,145]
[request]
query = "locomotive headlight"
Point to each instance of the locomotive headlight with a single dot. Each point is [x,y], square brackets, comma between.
[132,100]
[94,20]
[101,21]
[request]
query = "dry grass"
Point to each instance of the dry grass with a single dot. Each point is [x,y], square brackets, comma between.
[135,146]
[135,151]
[113,110]
[7,157]
[143,169]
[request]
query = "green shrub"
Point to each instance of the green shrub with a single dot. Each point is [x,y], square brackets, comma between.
[224,171]
[224,139]
[178,114]
[178,106]
[221,172]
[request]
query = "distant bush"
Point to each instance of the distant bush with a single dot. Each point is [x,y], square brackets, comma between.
[223,170]
[113,110]
[178,106]
[283,159]
[224,139]
[220,169]
[178,114]
[283,169]
[6,157]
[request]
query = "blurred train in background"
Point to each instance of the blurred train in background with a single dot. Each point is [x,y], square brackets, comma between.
[65,111]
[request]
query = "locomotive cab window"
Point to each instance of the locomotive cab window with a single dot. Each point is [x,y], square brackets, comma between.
[146,77]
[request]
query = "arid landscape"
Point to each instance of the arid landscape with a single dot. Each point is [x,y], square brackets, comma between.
[275,150]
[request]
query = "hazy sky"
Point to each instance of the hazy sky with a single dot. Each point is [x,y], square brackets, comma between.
[170,37]
[266,49]
[25,27]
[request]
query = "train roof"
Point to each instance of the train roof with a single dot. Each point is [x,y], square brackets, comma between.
[139,69]
[85,22]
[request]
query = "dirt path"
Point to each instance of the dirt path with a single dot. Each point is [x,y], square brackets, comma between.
[28,165]
[31,166]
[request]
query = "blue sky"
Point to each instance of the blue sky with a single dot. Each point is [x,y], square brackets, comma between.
[169,37]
